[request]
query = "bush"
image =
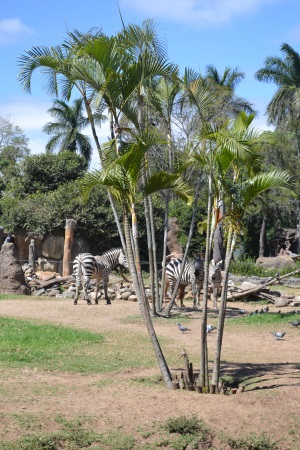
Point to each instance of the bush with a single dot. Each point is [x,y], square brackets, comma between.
[249,268]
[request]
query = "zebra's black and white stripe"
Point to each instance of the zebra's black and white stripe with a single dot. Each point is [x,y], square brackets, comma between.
[87,267]
[215,279]
[193,273]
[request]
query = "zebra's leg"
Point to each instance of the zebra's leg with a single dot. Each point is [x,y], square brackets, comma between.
[199,288]
[105,282]
[181,295]
[77,290]
[194,294]
[215,296]
[84,286]
[96,292]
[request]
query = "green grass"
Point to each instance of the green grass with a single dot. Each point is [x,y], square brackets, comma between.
[45,346]
[177,433]
[266,318]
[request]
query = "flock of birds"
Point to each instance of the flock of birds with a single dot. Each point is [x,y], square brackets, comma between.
[278,335]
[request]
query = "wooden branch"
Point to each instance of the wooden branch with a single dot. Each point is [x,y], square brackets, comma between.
[274,280]
[49,283]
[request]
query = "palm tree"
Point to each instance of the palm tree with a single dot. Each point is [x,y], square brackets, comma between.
[124,178]
[228,104]
[57,66]
[237,152]
[284,108]
[66,130]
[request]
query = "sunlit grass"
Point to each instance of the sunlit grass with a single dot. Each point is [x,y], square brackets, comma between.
[27,344]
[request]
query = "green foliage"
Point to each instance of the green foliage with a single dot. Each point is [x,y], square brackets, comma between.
[184,213]
[184,425]
[46,172]
[13,148]
[253,442]
[264,319]
[46,213]
[248,267]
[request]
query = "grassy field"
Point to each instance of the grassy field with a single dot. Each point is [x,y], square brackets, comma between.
[56,351]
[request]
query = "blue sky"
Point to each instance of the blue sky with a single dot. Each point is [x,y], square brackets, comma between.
[235,33]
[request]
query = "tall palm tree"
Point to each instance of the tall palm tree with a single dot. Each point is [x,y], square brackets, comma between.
[124,178]
[66,130]
[237,155]
[56,64]
[284,108]
[229,104]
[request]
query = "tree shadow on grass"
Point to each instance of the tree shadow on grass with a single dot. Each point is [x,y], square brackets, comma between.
[263,376]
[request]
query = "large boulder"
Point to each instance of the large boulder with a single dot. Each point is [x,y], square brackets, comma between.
[275,261]
[12,279]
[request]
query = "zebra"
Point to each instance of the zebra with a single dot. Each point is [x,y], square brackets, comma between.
[86,267]
[193,273]
[215,279]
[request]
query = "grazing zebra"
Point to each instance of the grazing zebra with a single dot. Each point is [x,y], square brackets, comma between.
[86,267]
[193,273]
[215,279]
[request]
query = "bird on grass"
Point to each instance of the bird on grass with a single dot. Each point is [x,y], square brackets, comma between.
[253,313]
[266,309]
[278,335]
[295,324]
[183,328]
[210,328]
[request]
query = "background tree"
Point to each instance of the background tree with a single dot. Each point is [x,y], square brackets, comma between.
[13,148]
[66,131]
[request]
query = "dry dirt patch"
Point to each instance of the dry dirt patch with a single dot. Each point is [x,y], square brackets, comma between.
[271,403]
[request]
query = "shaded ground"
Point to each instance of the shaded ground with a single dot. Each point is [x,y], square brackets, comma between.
[270,404]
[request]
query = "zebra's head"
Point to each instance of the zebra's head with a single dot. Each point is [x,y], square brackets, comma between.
[198,265]
[122,261]
[215,267]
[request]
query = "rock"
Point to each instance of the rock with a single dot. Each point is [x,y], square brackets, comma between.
[280,302]
[275,261]
[132,298]
[126,295]
[53,247]
[39,292]
[53,292]
[12,278]
[246,285]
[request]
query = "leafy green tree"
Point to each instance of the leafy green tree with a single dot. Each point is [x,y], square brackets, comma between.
[46,172]
[13,148]
[66,131]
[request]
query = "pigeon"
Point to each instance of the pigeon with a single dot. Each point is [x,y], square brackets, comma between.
[242,311]
[183,328]
[295,324]
[261,311]
[278,335]
[210,328]
[254,312]
[266,309]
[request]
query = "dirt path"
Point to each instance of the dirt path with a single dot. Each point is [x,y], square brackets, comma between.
[273,407]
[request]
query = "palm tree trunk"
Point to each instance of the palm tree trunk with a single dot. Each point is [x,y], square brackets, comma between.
[262,236]
[203,352]
[170,305]
[221,320]
[163,275]
[136,273]
[155,298]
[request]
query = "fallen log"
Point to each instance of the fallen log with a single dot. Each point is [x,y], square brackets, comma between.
[275,280]
[47,284]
